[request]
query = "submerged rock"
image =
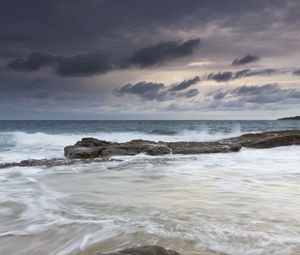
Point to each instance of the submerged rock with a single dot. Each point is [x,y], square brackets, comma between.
[143,250]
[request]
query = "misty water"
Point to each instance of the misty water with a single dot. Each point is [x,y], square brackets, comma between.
[229,203]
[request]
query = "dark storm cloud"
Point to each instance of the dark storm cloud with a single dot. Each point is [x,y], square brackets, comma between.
[81,65]
[34,61]
[123,30]
[185,84]
[246,60]
[253,96]
[161,52]
[159,91]
[190,93]
[86,64]
[262,72]
[59,24]
[145,90]
[95,63]
[229,75]
[221,76]
[296,72]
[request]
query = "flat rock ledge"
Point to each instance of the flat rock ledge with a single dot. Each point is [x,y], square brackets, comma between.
[89,148]
[142,250]
[267,139]
[51,162]
[93,148]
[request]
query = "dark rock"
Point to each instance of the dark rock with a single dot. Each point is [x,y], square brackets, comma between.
[75,151]
[290,118]
[143,250]
[93,148]
[267,139]
[157,150]
[202,147]
[92,142]
[50,162]
[118,151]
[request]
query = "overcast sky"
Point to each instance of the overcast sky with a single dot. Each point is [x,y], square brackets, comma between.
[148,59]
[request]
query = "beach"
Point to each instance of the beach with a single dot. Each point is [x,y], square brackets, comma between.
[244,202]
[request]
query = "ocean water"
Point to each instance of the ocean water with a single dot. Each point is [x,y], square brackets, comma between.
[233,203]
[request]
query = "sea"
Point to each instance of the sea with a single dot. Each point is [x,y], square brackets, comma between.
[239,203]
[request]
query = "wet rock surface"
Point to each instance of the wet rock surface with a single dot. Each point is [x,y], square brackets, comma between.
[93,148]
[142,250]
[50,162]
[267,139]
[90,149]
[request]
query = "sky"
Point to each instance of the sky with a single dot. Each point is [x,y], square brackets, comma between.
[149,59]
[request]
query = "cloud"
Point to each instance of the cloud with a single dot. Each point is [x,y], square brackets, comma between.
[86,64]
[252,96]
[246,60]
[145,90]
[221,76]
[228,75]
[190,93]
[159,91]
[297,72]
[34,61]
[120,29]
[161,52]
[262,72]
[95,63]
[185,84]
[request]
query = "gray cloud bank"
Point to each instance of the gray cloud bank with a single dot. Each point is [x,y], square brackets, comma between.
[43,43]
[244,97]
[34,61]
[245,60]
[229,75]
[159,91]
[161,52]
[95,63]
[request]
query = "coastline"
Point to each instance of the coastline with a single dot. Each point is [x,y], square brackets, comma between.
[207,203]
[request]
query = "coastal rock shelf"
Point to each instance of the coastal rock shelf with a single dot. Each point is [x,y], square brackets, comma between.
[93,150]
[143,250]
[51,162]
[89,148]
[290,118]
[267,139]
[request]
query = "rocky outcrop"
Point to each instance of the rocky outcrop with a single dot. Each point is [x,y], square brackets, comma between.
[290,118]
[267,139]
[202,147]
[143,250]
[93,148]
[50,162]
